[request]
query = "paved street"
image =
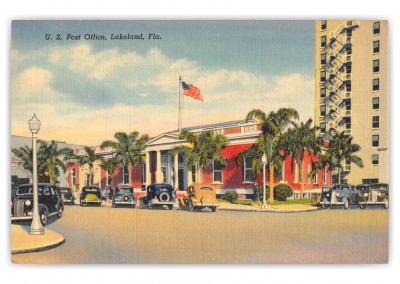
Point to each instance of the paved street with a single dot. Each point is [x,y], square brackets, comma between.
[125,235]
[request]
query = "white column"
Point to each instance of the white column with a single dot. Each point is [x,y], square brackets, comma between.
[148,174]
[176,168]
[158,171]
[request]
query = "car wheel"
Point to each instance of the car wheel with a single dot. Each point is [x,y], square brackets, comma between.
[190,206]
[346,204]
[164,197]
[60,211]
[386,204]
[324,205]
[363,206]
[44,215]
[214,208]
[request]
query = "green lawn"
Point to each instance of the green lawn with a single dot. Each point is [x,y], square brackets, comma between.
[289,201]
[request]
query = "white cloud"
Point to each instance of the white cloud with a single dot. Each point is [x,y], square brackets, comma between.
[228,94]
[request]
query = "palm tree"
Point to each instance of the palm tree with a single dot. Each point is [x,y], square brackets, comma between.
[202,149]
[273,126]
[89,158]
[49,159]
[109,165]
[129,148]
[298,140]
[340,150]
[26,155]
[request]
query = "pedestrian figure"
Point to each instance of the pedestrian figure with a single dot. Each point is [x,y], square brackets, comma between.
[256,194]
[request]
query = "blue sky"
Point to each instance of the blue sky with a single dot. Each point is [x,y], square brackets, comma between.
[85,90]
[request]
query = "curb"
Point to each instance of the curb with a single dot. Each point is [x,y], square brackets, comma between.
[23,242]
[37,249]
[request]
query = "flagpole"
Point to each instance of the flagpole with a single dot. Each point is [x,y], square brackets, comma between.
[179,112]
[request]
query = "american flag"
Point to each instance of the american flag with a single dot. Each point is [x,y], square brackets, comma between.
[191,91]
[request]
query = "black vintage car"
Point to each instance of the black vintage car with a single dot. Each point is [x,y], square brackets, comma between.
[67,195]
[158,195]
[124,195]
[50,202]
[374,194]
[339,194]
[90,195]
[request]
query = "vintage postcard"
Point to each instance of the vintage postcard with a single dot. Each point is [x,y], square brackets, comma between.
[200,142]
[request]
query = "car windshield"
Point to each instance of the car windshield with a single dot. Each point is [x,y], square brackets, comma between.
[126,189]
[28,189]
[325,189]
[206,188]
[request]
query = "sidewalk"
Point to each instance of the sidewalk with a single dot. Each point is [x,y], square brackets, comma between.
[288,208]
[23,242]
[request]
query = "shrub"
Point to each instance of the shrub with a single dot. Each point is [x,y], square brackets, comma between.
[282,192]
[231,196]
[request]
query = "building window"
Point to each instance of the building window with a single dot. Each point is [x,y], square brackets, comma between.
[375,140]
[377,28]
[193,173]
[376,46]
[324,175]
[348,86]
[322,92]
[375,122]
[323,25]
[323,41]
[323,127]
[73,173]
[347,121]
[348,69]
[164,174]
[375,66]
[323,76]
[296,172]
[87,180]
[323,110]
[181,158]
[375,84]
[125,178]
[248,175]
[347,104]
[323,58]
[217,172]
[144,172]
[375,159]
[375,103]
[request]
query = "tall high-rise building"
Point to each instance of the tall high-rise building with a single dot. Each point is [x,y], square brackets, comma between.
[352,92]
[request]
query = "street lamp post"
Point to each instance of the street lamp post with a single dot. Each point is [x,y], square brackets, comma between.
[264,162]
[36,226]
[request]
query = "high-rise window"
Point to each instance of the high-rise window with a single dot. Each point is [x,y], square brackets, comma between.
[375,65]
[375,140]
[322,92]
[348,86]
[323,127]
[375,159]
[375,122]
[347,104]
[323,76]
[348,69]
[376,46]
[347,121]
[323,110]
[377,28]
[323,58]
[323,41]
[375,84]
[375,103]
[323,25]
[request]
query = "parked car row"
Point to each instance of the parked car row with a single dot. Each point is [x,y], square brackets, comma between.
[362,195]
